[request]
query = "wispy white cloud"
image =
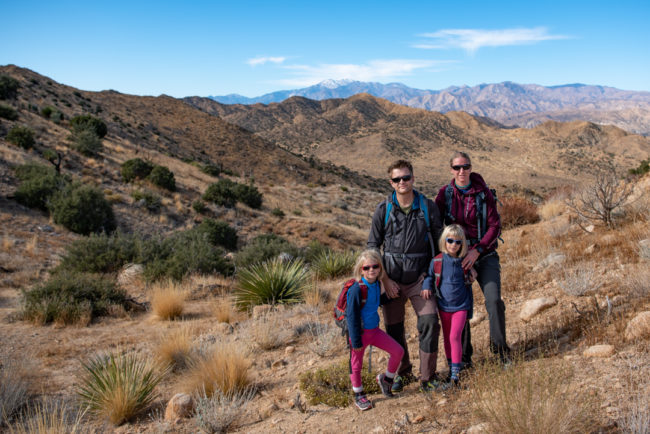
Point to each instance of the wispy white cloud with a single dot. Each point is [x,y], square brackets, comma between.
[471,40]
[374,70]
[262,60]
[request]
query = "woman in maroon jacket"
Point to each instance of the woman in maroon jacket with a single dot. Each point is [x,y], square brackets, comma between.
[468,201]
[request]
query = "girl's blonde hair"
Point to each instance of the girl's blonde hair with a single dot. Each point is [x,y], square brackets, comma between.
[370,255]
[457,232]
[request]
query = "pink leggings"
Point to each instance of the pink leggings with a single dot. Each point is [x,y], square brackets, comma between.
[377,338]
[452,328]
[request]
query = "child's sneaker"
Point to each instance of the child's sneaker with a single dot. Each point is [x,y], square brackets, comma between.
[362,402]
[385,386]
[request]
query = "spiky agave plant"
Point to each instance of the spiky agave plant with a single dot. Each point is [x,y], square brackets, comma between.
[118,387]
[330,264]
[272,282]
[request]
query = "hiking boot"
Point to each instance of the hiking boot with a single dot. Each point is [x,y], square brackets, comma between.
[385,385]
[362,402]
[400,381]
[436,384]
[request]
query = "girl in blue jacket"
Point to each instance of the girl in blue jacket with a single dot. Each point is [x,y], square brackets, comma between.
[363,326]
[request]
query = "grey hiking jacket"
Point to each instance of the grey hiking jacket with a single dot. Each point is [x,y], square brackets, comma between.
[404,240]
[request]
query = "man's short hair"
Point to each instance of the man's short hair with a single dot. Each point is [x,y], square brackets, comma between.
[400,164]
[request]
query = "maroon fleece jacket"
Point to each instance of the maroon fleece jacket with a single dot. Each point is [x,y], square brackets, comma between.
[463,209]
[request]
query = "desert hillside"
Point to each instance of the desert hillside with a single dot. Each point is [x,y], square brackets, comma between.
[219,286]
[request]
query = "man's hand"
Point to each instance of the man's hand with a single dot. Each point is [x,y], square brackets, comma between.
[472,275]
[392,288]
[470,259]
[357,349]
[425,294]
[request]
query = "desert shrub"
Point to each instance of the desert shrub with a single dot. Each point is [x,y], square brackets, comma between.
[8,112]
[8,87]
[21,136]
[517,211]
[269,332]
[174,349]
[272,282]
[150,200]
[211,169]
[168,300]
[553,207]
[100,253]
[82,209]
[262,248]
[326,338]
[580,281]
[162,177]
[530,399]
[86,142]
[330,264]
[118,387]
[277,212]
[199,206]
[218,233]
[39,184]
[135,168]
[331,385]
[89,123]
[222,368]
[249,195]
[13,388]
[222,193]
[69,298]
[180,254]
[49,416]
[644,167]
[221,412]
[47,111]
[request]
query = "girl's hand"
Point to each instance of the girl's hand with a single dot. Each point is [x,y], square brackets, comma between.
[425,294]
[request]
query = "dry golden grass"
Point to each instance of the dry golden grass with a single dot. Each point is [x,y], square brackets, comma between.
[224,367]
[517,211]
[553,207]
[269,332]
[31,246]
[8,243]
[49,417]
[224,310]
[174,348]
[168,300]
[531,397]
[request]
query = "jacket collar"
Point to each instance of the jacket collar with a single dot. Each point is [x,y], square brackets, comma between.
[416,200]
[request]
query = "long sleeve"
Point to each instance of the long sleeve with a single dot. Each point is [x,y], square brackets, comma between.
[429,280]
[376,236]
[353,315]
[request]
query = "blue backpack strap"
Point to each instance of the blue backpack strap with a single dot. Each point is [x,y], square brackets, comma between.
[449,192]
[389,209]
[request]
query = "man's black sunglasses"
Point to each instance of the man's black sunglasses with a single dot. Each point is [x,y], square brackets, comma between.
[405,178]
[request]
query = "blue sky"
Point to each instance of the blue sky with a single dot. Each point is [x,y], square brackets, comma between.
[254,47]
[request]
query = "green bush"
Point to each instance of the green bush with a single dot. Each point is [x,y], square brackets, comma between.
[100,253]
[8,87]
[118,387]
[89,123]
[262,248]
[644,167]
[8,112]
[331,385]
[162,177]
[39,183]
[219,233]
[249,195]
[70,298]
[82,209]
[222,193]
[199,206]
[135,168]
[21,136]
[152,201]
[211,169]
[330,264]
[181,254]
[277,212]
[86,142]
[52,113]
[272,282]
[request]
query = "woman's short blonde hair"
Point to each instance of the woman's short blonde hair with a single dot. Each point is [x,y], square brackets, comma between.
[370,255]
[457,232]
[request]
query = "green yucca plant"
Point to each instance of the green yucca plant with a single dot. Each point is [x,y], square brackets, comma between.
[272,282]
[329,264]
[118,387]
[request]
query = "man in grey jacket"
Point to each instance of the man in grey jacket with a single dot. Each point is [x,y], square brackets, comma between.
[401,231]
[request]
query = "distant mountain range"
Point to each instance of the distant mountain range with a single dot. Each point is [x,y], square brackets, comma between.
[511,104]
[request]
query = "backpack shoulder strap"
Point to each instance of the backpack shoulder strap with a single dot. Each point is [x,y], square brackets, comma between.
[449,192]
[389,212]
[481,214]
[364,293]
[437,272]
